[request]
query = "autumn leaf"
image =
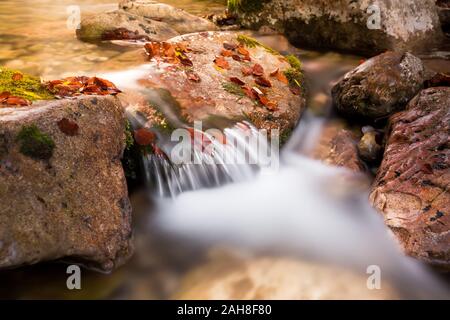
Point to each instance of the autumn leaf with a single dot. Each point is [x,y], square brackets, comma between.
[221,63]
[262,81]
[246,71]
[258,70]
[236,57]
[68,127]
[229,46]
[280,76]
[144,137]
[237,81]
[243,51]
[193,76]
[4,95]
[17,76]
[74,86]
[15,101]
[272,106]
[226,53]
[186,61]
[249,92]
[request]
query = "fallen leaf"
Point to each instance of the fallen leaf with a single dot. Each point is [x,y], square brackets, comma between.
[17,76]
[193,76]
[272,106]
[4,95]
[74,86]
[243,51]
[258,70]
[237,81]
[280,76]
[16,101]
[68,127]
[144,137]
[229,46]
[186,61]
[262,81]
[249,92]
[221,63]
[236,57]
[226,53]
[246,71]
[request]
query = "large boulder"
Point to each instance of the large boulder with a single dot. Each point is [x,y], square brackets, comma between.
[221,77]
[366,26]
[62,188]
[180,20]
[411,187]
[380,86]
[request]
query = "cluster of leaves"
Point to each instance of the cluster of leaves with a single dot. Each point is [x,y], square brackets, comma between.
[35,144]
[75,86]
[123,34]
[18,89]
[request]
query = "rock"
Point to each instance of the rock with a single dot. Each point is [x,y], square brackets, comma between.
[270,278]
[380,86]
[368,147]
[62,187]
[411,187]
[444,14]
[337,146]
[207,86]
[178,19]
[368,27]
[104,25]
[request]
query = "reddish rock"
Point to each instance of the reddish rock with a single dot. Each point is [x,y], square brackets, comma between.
[411,187]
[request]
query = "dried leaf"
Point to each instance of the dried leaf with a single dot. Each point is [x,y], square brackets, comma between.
[237,81]
[68,127]
[258,70]
[193,76]
[16,101]
[186,61]
[262,81]
[246,71]
[74,86]
[17,76]
[226,53]
[280,76]
[144,137]
[222,63]
[243,51]
[229,46]
[236,57]
[249,92]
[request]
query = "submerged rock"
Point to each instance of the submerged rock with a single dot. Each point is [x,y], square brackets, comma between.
[368,147]
[219,77]
[62,188]
[367,26]
[337,146]
[121,25]
[411,187]
[380,86]
[180,20]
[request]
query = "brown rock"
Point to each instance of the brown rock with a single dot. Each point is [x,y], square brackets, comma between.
[337,146]
[411,187]
[380,86]
[64,196]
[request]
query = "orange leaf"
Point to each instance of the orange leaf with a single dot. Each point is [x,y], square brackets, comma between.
[243,51]
[17,76]
[258,70]
[144,137]
[222,63]
[226,53]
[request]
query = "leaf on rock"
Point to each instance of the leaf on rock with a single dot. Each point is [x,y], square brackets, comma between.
[193,76]
[262,81]
[7,99]
[229,46]
[258,70]
[280,76]
[236,57]
[144,137]
[237,81]
[243,51]
[68,127]
[17,76]
[246,71]
[249,92]
[226,53]
[75,86]
[221,63]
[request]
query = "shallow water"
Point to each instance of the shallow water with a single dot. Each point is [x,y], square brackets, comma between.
[201,230]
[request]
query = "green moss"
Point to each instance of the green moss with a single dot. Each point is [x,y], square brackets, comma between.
[294,62]
[35,144]
[233,88]
[284,136]
[28,87]
[253,43]
[245,6]
[129,140]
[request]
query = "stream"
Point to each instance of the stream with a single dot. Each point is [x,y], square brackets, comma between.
[256,233]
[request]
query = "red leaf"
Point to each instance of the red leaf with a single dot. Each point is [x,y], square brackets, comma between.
[144,137]
[237,81]
[246,71]
[249,92]
[193,76]
[17,101]
[258,70]
[236,57]
[186,61]
[68,127]
[17,76]
[226,53]
[221,63]
[4,95]
[263,82]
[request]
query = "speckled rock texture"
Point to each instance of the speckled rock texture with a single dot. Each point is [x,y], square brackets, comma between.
[368,27]
[214,98]
[412,185]
[70,202]
[380,86]
[337,146]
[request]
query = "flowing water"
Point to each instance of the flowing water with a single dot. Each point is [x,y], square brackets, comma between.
[223,220]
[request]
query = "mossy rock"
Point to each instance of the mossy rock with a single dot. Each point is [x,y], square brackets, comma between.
[25,86]
[35,144]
